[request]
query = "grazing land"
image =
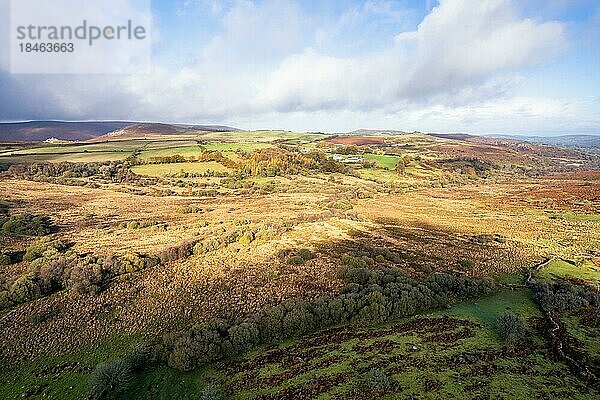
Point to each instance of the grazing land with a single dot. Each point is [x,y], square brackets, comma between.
[187,263]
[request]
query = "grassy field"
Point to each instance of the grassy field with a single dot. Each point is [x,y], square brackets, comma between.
[382,161]
[583,326]
[74,157]
[379,175]
[164,170]
[63,377]
[568,215]
[586,271]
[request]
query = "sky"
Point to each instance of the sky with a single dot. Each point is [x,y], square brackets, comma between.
[526,67]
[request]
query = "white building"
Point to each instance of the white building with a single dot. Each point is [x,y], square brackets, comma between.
[354,159]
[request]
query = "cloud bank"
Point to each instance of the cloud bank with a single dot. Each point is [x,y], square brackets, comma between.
[270,64]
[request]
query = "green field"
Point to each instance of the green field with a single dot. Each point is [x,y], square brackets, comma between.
[564,269]
[149,148]
[583,326]
[382,161]
[164,170]
[64,377]
[119,150]
[571,216]
[76,152]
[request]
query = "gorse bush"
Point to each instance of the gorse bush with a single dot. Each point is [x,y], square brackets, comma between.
[108,377]
[141,224]
[301,257]
[27,225]
[191,209]
[25,288]
[371,296]
[510,326]
[44,248]
[53,266]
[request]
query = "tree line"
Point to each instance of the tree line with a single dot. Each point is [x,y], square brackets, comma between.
[370,296]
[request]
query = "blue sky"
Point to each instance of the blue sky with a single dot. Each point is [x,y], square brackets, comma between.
[493,66]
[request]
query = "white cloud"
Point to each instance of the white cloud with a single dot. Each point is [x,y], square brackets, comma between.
[460,45]
[257,33]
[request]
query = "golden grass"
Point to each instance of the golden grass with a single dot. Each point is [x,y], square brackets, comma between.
[429,226]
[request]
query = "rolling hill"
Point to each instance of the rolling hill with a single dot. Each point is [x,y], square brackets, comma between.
[39,131]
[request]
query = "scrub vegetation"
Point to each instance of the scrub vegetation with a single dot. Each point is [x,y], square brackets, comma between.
[281,265]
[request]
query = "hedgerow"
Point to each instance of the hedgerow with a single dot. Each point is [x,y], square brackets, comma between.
[565,296]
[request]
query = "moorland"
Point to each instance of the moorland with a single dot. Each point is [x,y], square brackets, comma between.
[148,263]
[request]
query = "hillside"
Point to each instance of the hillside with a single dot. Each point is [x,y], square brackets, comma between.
[261,265]
[571,141]
[39,131]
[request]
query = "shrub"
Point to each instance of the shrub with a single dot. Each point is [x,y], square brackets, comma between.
[357,262]
[199,249]
[244,336]
[266,233]
[40,249]
[511,326]
[371,296]
[43,316]
[133,225]
[146,223]
[28,225]
[5,300]
[192,209]
[245,238]
[212,391]
[343,205]
[5,259]
[200,345]
[466,264]
[108,377]
[4,206]
[141,356]
[296,260]
[376,380]
[301,257]
[25,288]
[133,262]
[306,254]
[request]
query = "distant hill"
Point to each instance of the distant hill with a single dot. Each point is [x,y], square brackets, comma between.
[39,131]
[455,136]
[570,141]
[375,132]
